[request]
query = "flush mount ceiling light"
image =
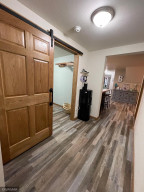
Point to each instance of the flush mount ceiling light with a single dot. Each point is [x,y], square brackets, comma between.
[102,16]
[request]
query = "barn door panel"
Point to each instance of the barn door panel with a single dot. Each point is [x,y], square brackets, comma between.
[26,76]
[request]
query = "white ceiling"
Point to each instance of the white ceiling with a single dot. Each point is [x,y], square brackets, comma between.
[59,52]
[123,61]
[127,27]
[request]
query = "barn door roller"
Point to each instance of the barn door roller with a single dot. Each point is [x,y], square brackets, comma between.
[51,34]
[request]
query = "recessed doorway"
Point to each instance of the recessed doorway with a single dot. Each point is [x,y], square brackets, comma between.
[65,80]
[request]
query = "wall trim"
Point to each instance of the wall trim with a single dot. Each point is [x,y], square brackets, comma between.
[58,105]
[96,118]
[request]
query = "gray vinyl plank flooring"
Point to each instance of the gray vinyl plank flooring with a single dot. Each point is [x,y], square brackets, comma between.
[93,156]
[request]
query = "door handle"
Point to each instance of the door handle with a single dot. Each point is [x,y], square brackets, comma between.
[51,92]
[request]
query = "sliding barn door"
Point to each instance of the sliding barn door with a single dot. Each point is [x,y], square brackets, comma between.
[26,76]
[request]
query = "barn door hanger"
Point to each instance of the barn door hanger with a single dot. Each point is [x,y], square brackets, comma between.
[52,37]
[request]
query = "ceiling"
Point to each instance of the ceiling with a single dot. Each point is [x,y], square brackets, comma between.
[60,52]
[123,61]
[126,28]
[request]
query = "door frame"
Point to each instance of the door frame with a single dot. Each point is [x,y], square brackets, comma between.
[75,75]
[139,98]
[74,87]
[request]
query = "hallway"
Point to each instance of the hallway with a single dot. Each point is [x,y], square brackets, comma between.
[93,156]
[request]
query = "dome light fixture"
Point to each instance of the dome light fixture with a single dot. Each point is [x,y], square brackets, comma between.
[102,16]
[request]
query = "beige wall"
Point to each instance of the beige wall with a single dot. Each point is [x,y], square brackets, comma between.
[125,60]
[133,65]
[134,74]
[1,171]
[139,149]
[119,72]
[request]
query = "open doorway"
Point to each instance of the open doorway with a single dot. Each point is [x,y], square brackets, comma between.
[65,76]
[123,77]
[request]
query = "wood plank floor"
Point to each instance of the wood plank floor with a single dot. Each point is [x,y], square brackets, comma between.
[93,156]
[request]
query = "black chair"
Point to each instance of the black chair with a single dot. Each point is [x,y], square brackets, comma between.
[105,102]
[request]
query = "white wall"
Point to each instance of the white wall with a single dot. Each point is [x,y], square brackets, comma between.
[96,66]
[139,149]
[1,171]
[63,79]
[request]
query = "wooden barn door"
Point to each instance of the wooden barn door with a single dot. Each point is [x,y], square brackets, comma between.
[26,76]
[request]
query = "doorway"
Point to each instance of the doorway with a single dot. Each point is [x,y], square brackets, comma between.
[66,64]
[123,77]
[63,78]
